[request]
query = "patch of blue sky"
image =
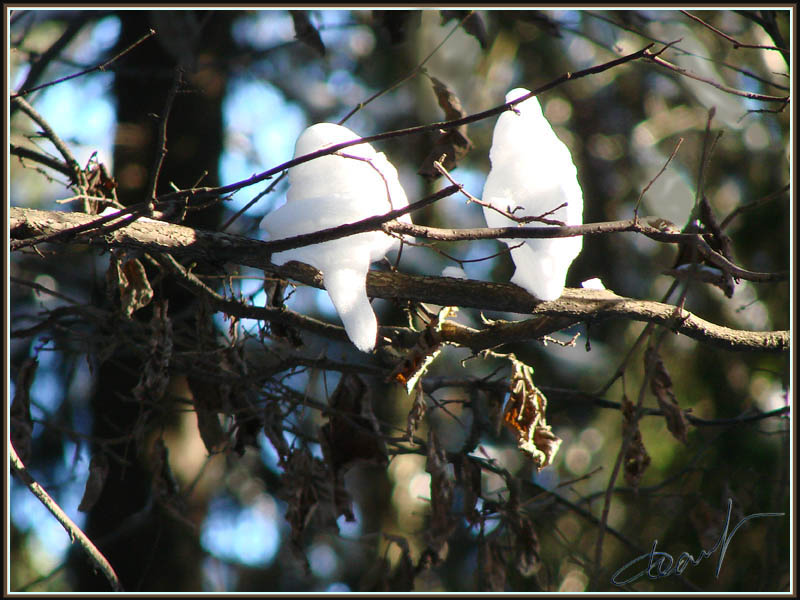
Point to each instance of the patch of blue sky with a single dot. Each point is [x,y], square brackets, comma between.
[316,450]
[489,524]
[46,389]
[249,535]
[269,456]
[29,514]
[79,393]
[293,440]
[460,213]
[101,39]
[351,530]
[248,288]
[261,129]
[81,113]
[264,29]
[75,469]
[80,110]
[307,300]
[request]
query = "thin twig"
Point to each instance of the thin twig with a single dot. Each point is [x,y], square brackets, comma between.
[645,333]
[258,197]
[162,135]
[41,158]
[344,119]
[653,180]
[38,67]
[736,44]
[100,67]
[65,152]
[752,205]
[368,224]
[705,160]
[411,74]
[687,73]
[626,440]
[41,288]
[507,214]
[72,529]
[648,37]
[227,189]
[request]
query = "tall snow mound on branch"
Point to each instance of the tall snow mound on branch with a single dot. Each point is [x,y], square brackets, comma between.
[533,170]
[354,184]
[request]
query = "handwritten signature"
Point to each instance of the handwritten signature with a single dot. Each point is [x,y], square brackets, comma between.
[662,564]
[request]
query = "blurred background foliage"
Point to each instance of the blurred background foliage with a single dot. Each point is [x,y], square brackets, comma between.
[253,81]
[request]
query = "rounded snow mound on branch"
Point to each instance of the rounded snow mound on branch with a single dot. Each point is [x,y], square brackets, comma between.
[533,175]
[344,187]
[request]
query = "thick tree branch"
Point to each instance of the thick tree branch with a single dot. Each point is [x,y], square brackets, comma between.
[58,229]
[577,305]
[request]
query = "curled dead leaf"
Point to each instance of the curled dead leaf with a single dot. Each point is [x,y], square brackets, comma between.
[20,421]
[429,344]
[661,386]
[636,459]
[351,434]
[305,31]
[98,473]
[525,416]
[452,144]
[472,23]
[130,277]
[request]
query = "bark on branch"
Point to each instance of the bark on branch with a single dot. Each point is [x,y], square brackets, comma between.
[574,306]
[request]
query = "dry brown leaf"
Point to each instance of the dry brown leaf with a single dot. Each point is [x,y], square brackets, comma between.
[207,405]
[210,429]
[661,386]
[453,144]
[473,24]
[636,459]
[312,493]
[20,421]
[525,416]
[305,31]
[429,345]
[351,434]
[135,291]
[98,473]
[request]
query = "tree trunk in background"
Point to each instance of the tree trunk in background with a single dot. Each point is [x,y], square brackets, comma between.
[149,547]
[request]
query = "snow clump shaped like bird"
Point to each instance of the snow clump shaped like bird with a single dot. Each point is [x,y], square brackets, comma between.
[334,190]
[533,170]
